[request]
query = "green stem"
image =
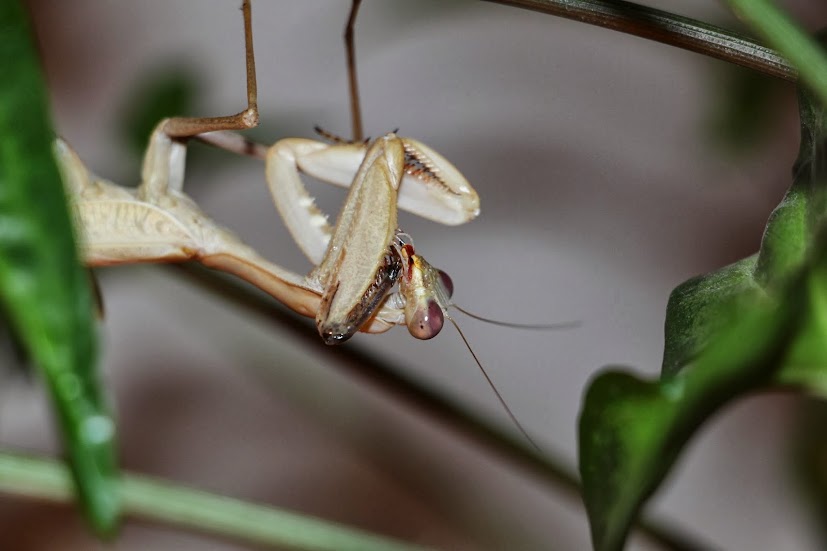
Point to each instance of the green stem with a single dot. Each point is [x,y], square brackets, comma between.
[160,501]
[662,26]
[781,32]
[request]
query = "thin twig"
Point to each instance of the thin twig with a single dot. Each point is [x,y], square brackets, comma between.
[665,27]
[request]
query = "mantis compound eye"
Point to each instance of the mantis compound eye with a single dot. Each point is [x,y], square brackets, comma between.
[447,283]
[426,320]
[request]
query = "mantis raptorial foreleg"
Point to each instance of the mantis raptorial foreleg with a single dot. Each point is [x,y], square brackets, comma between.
[355,260]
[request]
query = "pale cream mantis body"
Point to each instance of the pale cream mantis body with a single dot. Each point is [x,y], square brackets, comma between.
[358,262]
[158,222]
[367,275]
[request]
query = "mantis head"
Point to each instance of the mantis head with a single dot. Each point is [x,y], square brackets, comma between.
[427,292]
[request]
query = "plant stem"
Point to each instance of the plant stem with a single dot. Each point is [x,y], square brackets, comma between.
[662,26]
[158,500]
[781,32]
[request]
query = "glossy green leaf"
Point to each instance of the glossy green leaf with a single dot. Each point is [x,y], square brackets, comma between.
[631,430]
[701,307]
[806,364]
[759,322]
[45,292]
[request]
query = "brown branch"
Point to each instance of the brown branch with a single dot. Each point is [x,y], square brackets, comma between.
[667,28]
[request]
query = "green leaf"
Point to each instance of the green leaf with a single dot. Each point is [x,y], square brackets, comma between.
[758,323]
[631,431]
[45,292]
[806,364]
[701,307]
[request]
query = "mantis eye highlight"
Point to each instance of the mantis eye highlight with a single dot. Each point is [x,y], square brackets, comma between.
[426,321]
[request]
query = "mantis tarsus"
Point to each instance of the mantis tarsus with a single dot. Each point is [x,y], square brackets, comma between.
[359,262]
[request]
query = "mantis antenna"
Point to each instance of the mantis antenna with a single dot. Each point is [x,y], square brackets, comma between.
[493,387]
[529,326]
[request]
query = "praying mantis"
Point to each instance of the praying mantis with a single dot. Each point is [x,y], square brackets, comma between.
[358,262]
[368,275]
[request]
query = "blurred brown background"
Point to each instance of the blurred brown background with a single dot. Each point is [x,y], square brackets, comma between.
[603,185]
